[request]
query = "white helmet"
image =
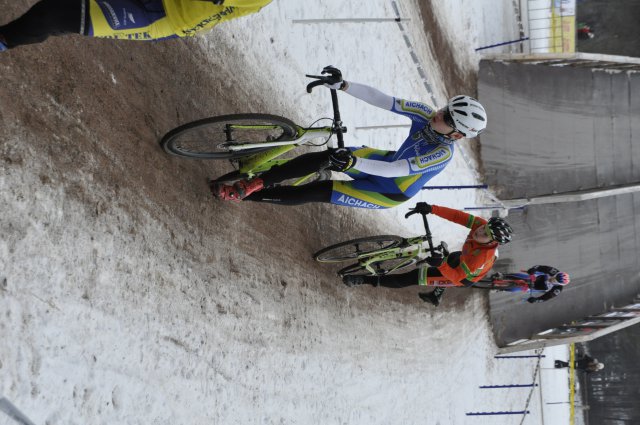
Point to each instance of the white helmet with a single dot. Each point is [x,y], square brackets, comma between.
[467,115]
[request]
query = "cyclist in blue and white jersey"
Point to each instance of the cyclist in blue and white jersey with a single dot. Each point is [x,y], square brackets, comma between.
[381,179]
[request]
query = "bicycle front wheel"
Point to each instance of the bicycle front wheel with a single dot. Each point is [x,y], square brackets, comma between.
[350,250]
[211,138]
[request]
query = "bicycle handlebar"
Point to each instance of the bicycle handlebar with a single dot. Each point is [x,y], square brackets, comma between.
[330,75]
[432,249]
[410,213]
[319,81]
[338,128]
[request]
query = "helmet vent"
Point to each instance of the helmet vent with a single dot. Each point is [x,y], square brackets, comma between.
[468,115]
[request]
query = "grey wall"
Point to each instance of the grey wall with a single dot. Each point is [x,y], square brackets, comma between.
[562,129]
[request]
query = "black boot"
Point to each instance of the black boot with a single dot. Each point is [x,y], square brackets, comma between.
[433,297]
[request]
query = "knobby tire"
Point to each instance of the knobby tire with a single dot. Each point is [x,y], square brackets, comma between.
[207,138]
[350,250]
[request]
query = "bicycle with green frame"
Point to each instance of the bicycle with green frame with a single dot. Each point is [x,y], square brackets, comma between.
[253,143]
[387,254]
[383,254]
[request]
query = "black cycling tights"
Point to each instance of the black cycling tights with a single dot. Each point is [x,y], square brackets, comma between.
[300,166]
[395,280]
[45,18]
[401,280]
[296,195]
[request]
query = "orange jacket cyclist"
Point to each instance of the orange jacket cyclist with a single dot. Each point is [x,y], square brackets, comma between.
[122,19]
[460,268]
[380,179]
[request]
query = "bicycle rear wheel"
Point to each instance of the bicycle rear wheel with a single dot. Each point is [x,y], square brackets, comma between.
[381,268]
[350,250]
[210,138]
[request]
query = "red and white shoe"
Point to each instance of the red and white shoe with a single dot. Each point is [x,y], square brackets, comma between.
[236,192]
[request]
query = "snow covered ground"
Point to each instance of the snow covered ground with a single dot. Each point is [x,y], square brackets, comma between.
[119,321]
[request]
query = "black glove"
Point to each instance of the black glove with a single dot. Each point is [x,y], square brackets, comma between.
[497,276]
[342,159]
[434,261]
[422,208]
[532,300]
[334,79]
